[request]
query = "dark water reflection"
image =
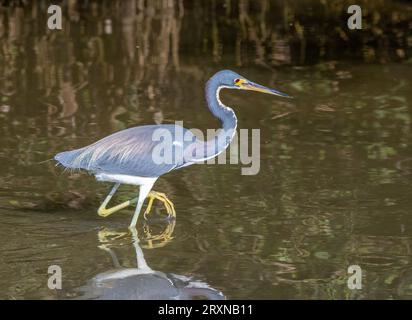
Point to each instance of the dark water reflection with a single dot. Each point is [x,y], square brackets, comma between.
[334,182]
[141,281]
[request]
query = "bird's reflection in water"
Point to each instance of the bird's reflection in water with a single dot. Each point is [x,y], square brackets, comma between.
[142,283]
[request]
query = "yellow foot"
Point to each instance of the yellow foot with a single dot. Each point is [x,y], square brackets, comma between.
[152,241]
[166,202]
[104,212]
[107,235]
[107,238]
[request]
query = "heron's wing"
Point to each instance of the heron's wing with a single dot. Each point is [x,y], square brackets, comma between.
[135,151]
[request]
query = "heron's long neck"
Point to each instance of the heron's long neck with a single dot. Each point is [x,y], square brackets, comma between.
[226,116]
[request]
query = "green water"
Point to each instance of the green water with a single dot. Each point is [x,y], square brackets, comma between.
[333,188]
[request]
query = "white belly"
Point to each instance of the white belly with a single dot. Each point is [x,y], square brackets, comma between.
[125,179]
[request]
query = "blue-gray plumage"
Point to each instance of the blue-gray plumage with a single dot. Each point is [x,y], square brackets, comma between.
[134,155]
[127,152]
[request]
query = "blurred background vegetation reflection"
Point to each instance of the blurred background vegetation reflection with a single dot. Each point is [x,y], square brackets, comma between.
[335,178]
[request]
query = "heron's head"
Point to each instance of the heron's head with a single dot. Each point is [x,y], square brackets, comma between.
[232,80]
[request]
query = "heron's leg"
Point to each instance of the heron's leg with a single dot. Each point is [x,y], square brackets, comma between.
[166,202]
[104,212]
[140,260]
[106,237]
[144,191]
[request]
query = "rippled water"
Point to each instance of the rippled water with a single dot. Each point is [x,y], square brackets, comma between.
[333,188]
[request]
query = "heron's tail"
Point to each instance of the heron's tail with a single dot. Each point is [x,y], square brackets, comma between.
[68,159]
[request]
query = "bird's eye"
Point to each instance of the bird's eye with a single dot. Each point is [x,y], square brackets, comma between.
[237,81]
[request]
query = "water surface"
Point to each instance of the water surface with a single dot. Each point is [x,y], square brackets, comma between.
[333,188]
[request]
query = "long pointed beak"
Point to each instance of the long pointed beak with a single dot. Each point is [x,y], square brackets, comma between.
[248,85]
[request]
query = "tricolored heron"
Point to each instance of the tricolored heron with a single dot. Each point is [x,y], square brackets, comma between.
[127,156]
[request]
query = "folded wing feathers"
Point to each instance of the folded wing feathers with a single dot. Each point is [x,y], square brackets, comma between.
[115,149]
